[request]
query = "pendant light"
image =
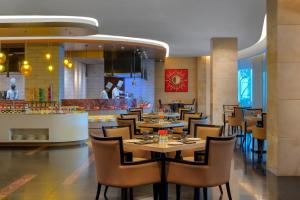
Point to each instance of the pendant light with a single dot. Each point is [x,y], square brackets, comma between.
[49,57]
[2,55]
[2,68]
[67,60]
[26,68]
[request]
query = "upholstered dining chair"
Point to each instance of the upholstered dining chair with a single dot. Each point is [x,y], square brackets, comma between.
[235,121]
[201,131]
[131,116]
[214,171]
[191,106]
[227,111]
[205,130]
[259,134]
[136,109]
[112,170]
[182,111]
[128,122]
[125,133]
[137,112]
[186,116]
[250,121]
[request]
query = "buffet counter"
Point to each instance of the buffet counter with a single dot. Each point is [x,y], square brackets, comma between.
[100,104]
[43,128]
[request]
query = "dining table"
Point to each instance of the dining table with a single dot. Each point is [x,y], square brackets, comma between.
[160,124]
[162,149]
[166,115]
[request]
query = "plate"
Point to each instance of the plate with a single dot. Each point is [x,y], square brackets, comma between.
[133,141]
[194,139]
[175,143]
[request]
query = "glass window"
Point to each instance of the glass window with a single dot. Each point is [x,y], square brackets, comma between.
[245,87]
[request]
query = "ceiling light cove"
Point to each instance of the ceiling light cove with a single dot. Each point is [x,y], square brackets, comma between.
[47,18]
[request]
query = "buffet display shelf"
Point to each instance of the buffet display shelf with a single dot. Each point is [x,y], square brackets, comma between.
[100,104]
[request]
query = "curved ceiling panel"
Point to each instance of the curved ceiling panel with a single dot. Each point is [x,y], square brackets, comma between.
[187,26]
[38,25]
[161,47]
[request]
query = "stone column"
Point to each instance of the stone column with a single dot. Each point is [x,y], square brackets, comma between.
[40,76]
[203,84]
[283,68]
[223,76]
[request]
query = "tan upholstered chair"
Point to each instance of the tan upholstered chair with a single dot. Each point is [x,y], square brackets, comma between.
[136,109]
[236,121]
[137,112]
[128,122]
[214,171]
[201,131]
[227,111]
[183,110]
[112,170]
[125,133]
[186,116]
[250,122]
[131,116]
[204,130]
[191,106]
[259,134]
[117,131]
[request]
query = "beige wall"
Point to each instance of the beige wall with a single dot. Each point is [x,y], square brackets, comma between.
[40,76]
[224,76]
[283,69]
[199,81]
[189,63]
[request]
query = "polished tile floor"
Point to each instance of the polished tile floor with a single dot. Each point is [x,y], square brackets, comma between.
[69,173]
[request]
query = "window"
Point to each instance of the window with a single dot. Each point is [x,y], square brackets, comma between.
[245,87]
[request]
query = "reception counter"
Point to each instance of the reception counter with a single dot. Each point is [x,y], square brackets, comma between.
[43,128]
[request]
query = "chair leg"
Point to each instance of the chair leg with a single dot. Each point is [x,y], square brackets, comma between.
[253,150]
[228,129]
[124,193]
[105,192]
[205,193]
[228,191]
[131,193]
[178,187]
[221,190]
[155,191]
[196,193]
[98,191]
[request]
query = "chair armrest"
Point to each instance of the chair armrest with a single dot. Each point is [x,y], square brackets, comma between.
[186,162]
[128,156]
[259,124]
[197,154]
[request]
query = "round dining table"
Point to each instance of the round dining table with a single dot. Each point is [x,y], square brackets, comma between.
[166,115]
[160,124]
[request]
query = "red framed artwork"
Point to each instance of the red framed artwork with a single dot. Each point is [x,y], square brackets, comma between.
[176,80]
